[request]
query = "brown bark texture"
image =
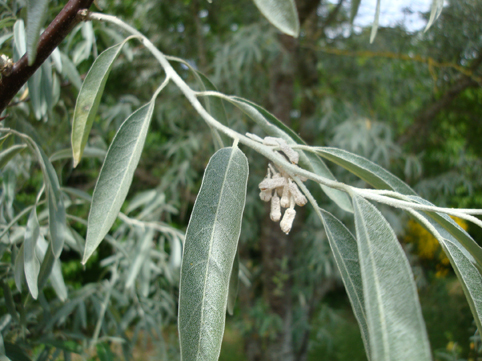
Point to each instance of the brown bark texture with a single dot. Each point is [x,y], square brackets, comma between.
[58,29]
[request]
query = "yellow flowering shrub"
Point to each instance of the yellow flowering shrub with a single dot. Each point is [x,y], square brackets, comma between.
[427,246]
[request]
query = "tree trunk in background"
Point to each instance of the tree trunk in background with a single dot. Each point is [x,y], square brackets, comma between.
[275,246]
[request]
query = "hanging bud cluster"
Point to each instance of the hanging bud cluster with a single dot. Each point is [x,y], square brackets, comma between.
[279,188]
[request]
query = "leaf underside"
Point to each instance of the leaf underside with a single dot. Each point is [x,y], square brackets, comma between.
[210,247]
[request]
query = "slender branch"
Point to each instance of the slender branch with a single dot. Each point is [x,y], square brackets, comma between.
[264,150]
[58,29]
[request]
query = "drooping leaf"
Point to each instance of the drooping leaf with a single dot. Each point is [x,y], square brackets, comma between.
[116,176]
[464,264]
[7,154]
[57,217]
[57,222]
[375,22]
[69,70]
[36,12]
[19,39]
[345,251]
[88,153]
[35,92]
[354,6]
[46,267]
[365,169]
[46,85]
[233,284]
[31,262]
[282,14]
[141,255]
[436,10]
[275,128]
[395,323]
[51,269]
[209,251]
[89,99]
[19,269]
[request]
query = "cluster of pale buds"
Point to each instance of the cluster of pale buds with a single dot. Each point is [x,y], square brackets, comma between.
[280,184]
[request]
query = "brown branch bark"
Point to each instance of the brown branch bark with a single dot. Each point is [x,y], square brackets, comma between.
[58,29]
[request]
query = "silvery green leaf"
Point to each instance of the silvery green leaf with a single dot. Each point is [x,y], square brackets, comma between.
[31,262]
[89,99]
[57,59]
[57,223]
[46,267]
[354,6]
[275,128]
[146,277]
[116,176]
[282,14]
[141,254]
[55,276]
[233,284]
[19,39]
[19,270]
[36,12]
[395,324]
[88,153]
[209,250]
[436,10]
[7,154]
[463,263]
[35,91]
[375,22]
[345,250]
[55,89]
[46,85]
[70,71]
[367,170]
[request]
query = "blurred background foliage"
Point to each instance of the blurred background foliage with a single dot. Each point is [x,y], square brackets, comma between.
[409,102]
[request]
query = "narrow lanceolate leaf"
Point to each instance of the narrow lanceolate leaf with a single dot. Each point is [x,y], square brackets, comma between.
[375,22]
[463,263]
[116,175]
[354,6]
[282,14]
[345,251]
[365,169]
[31,262]
[233,285]
[7,155]
[143,250]
[19,270]
[89,99]
[437,6]
[36,11]
[210,247]
[275,128]
[57,217]
[57,223]
[395,324]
